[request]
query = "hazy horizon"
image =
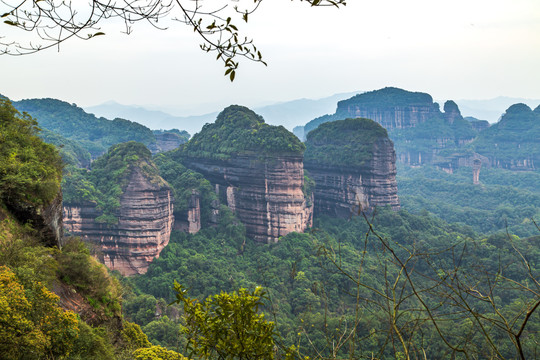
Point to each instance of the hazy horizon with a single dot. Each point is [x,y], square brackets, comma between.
[465,50]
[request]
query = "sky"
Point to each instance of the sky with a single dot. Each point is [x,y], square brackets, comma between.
[460,49]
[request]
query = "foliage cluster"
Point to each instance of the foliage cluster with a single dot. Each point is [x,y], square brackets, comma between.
[227,326]
[71,151]
[503,199]
[238,130]
[31,322]
[30,170]
[33,325]
[183,182]
[347,142]
[94,134]
[313,283]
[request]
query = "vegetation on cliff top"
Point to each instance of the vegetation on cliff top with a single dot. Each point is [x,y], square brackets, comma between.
[388,97]
[30,170]
[108,178]
[344,142]
[514,138]
[239,130]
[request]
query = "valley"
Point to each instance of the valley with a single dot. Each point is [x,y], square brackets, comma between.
[389,229]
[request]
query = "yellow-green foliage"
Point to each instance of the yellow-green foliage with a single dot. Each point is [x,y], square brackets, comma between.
[32,325]
[157,353]
[133,336]
[90,278]
[227,325]
[30,170]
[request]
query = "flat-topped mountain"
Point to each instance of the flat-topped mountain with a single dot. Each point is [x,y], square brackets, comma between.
[256,169]
[415,123]
[122,206]
[353,164]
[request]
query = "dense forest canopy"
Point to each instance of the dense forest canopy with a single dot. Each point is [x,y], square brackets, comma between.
[94,134]
[239,130]
[30,170]
[343,143]
[388,97]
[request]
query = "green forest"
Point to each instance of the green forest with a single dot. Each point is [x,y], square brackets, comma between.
[454,274]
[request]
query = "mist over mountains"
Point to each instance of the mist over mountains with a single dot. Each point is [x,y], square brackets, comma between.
[288,113]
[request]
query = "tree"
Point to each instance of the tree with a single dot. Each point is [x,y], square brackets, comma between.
[227,326]
[52,22]
[31,322]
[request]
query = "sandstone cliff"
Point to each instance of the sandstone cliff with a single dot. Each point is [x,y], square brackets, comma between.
[144,217]
[419,130]
[256,169]
[353,164]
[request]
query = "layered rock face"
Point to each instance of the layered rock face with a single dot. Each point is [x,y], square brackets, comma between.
[145,221]
[256,169]
[264,193]
[361,178]
[391,107]
[167,142]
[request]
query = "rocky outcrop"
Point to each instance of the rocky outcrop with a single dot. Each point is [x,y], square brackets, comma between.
[392,108]
[353,164]
[145,221]
[264,192]
[190,220]
[257,171]
[167,141]
[451,112]
[46,220]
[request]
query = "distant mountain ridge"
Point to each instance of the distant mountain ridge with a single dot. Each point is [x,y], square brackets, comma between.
[288,114]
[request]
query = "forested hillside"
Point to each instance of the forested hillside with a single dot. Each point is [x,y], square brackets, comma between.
[56,300]
[454,274]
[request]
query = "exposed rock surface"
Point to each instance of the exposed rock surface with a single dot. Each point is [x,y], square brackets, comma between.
[145,221]
[419,130]
[256,169]
[353,164]
[393,108]
[46,220]
[265,193]
[190,220]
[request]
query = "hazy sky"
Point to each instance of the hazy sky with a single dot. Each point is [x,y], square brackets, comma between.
[475,49]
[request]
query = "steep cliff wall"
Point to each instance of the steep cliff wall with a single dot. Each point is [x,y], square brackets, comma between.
[353,164]
[256,169]
[422,134]
[265,193]
[145,221]
[130,235]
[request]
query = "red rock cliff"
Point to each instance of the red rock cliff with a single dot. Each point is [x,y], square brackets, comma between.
[264,192]
[145,221]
